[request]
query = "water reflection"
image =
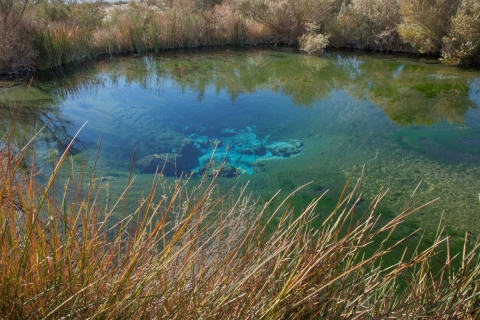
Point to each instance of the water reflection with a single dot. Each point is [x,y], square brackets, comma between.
[31,110]
[393,114]
[408,92]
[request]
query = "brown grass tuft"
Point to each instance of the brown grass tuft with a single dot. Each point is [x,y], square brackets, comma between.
[191,252]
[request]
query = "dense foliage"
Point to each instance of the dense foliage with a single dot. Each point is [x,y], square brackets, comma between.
[47,33]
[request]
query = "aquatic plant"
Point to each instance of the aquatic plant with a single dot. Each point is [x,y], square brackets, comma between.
[61,44]
[190,251]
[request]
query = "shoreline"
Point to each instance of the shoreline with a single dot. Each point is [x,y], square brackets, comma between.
[427,59]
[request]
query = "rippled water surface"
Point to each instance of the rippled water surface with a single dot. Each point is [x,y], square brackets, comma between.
[279,118]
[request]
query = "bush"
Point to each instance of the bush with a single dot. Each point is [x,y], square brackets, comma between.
[283,18]
[312,42]
[12,12]
[368,24]
[44,34]
[287,20]
[16,51]
[17,54]
[463,41]
[425,23]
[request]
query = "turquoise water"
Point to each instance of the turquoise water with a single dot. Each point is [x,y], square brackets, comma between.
[279,118]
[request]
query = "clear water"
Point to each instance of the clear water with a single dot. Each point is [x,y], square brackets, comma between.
[405,121]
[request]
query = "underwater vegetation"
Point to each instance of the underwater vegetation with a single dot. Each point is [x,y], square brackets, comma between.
[74,242]
[191,251]
[405,120]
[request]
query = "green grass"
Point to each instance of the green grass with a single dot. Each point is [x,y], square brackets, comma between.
[191,252]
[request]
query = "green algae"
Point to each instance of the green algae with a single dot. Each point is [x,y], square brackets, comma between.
[405,121]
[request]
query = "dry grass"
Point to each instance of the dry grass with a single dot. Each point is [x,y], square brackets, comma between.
[198,254]
[51,34]
[62,43]
[143,28]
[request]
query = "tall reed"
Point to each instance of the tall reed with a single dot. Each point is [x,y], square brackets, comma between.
[60,44]
[191,252]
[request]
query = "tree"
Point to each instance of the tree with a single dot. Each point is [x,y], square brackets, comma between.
[426,22]
[287,19]
[463,41]
[368,24]
[11,12]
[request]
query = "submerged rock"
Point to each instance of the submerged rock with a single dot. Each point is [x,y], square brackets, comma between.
[175,154]
[259,166]
[247,143]
[259,149]
[165,162]
[286,149]
[244,150]
[201,142]
[107,178]
[240,151]
[189,153]
[225,170]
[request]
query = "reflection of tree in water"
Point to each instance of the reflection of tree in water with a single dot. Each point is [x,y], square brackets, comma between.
[408,92]
[28,120]
[414,94]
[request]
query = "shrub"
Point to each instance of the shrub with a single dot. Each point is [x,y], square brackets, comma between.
[283,18]
[425,23]
[17,54]
[312,42]
[227,25]
[16,51]
[12,12]
[370,24]
[142,28]
[44,34]
[206,4]
[462,43]
[287,20]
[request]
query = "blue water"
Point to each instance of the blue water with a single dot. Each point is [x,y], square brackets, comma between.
[275,119]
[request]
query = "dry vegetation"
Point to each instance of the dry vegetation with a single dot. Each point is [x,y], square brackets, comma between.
[191,252]
[43,34]
[188,251]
